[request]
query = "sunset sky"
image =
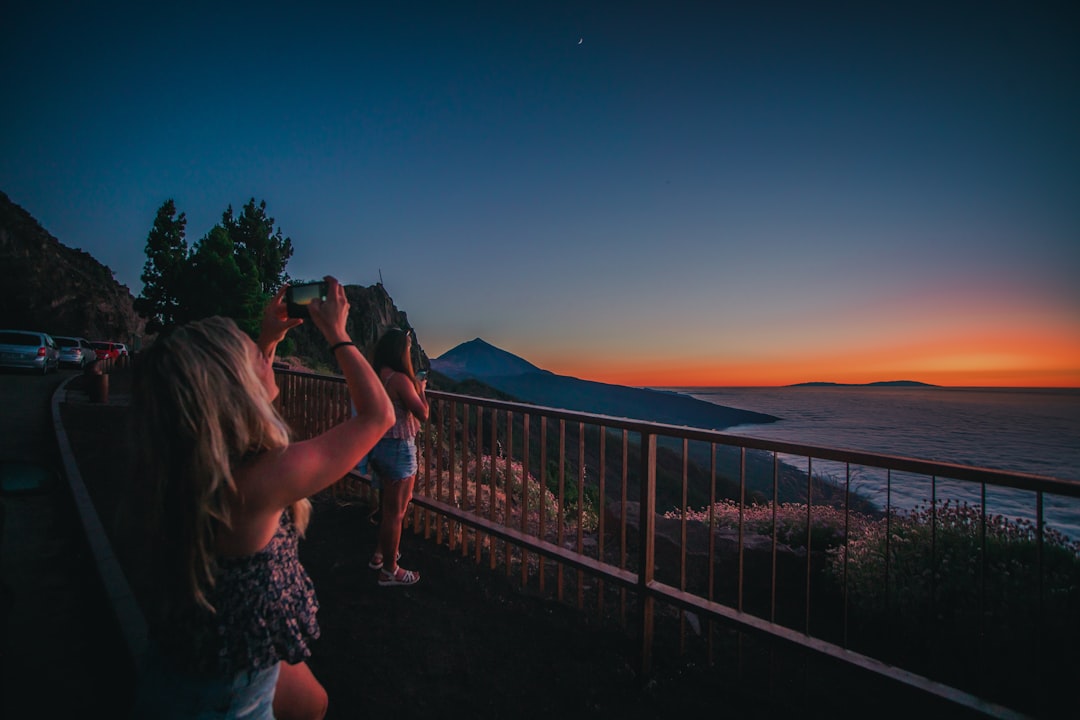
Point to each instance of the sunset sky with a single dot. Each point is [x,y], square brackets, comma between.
[643,193]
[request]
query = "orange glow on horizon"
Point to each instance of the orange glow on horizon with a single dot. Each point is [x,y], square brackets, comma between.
[971,362]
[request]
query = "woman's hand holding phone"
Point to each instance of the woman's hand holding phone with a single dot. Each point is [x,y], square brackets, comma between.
[330,315]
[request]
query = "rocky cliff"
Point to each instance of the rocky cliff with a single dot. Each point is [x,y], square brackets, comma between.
[50,287]
[371,312]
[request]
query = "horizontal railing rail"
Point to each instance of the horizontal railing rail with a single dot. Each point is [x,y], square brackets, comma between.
[926,588]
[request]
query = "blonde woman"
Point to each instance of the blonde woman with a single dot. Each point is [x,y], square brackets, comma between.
[393,459]
[225,502]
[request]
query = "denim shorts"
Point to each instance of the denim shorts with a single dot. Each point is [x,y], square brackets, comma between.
[392,460]
[170,695]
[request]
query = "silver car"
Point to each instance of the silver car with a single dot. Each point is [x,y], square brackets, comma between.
[75,351]
[28,350]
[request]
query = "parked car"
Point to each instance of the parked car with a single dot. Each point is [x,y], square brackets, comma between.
[109,350]
[75,351]
[29,350]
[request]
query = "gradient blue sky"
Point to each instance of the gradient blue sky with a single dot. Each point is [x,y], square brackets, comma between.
[647,193]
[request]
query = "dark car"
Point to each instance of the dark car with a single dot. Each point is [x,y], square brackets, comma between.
[75,351]
[29,350]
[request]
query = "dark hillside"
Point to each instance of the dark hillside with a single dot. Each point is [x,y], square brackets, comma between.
[56,289]
[571,393]
[371,312]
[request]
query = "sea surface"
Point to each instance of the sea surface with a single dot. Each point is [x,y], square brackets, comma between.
[1028,430]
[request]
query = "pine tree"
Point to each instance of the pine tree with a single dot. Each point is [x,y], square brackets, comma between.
[166,261]
[232,271]
[255,237]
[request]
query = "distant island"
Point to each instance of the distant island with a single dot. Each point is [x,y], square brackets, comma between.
[884,383]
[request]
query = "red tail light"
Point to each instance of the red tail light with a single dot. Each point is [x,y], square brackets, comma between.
[41,351]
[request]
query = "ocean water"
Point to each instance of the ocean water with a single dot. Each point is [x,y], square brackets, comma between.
[1029,430]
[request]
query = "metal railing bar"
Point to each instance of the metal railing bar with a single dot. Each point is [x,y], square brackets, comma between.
[933,545]
[741,574]
[984,570]
[602,476]
[543,487]
[847,552]
[508,484]
[775,535]
[711,580]
[525,495]
[451,529]
[478,546]
[623,551]
[682,539]
[440,471]
[491,480]
[1040,559]
[465,411]
[809,534]
[581,513]
[560,514]
[419,514]
[647,549]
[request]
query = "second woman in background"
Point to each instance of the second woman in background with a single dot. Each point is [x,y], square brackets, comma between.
[393,459]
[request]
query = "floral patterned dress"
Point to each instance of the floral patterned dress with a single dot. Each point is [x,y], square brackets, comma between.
[265,612]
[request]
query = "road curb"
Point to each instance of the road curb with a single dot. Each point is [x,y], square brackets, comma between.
[128,615]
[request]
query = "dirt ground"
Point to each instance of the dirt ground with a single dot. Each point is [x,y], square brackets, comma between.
[462,639]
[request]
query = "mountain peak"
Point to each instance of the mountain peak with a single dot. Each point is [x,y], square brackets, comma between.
[478,358]
[527,383]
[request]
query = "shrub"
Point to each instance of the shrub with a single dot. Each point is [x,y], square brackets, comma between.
[827,522]
[939,561]
[508,501]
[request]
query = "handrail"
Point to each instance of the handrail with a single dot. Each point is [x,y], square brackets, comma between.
[464,470]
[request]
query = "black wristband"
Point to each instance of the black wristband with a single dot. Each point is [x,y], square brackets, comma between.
[333,348]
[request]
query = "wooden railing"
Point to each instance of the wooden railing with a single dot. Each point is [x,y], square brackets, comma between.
[592,510]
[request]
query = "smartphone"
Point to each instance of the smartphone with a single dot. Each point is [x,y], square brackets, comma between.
[421,374]
[298,297]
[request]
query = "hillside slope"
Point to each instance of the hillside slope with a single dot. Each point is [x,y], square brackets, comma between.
[516,376]
[56,289]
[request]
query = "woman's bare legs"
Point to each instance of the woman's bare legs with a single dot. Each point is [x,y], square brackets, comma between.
[395,501]
[298,695]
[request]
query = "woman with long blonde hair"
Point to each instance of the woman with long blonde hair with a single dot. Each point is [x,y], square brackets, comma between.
[225,500]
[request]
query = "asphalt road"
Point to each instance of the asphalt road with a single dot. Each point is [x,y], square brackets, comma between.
[60,652]
[26,421]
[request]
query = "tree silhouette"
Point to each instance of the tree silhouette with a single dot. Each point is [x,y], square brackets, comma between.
[232,271]
[166,261]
